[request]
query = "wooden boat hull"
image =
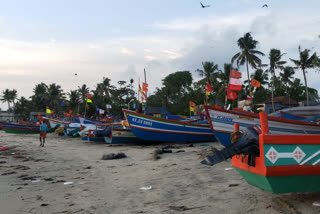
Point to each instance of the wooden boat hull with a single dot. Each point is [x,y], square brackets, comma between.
[164,130]
[222,123]
[19,128]
[286,163]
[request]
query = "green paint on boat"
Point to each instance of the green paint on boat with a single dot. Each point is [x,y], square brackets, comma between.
[16,131]
[283,184]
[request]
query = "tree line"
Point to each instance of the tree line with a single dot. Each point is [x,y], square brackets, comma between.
[179,88]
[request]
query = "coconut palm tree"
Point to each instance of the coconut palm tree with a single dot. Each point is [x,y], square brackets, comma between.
[287,76]
[83,93]
[6,97]
[209,69]
[40,97]
[13,96]
[274,64]
[74,100]
[305,61]
[248,54]
[23,108]
[55,96]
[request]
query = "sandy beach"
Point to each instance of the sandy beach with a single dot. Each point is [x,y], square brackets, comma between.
[32,181]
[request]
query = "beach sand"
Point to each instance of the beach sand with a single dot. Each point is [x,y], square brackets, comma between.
[32,181]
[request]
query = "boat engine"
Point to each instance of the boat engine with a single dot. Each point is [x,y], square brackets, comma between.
[246,144]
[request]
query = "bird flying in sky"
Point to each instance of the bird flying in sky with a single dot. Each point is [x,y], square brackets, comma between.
[204,6]
[265,5]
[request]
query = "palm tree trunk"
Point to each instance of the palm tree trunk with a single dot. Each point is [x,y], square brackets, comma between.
[305,82]
[272,91]
[248,77]
[249,83]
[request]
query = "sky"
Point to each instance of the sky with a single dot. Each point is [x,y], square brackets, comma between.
[51,40]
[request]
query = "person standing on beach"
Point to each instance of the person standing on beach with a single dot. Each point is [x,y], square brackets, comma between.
[43,133]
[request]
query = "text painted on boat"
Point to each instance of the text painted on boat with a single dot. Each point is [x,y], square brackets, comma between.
[143,122]
[225,118]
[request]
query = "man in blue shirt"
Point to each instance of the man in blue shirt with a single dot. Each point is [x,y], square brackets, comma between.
[43,133]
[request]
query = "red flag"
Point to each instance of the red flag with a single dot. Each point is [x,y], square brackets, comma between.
[249,98]
[255,83]
[89,96]
[145,87]
[143,94]
[235,84]
[235,74]
[70,111]
[232,95]
[208,87]
[192,103]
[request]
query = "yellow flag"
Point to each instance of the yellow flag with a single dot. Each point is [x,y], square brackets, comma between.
[89,101]
[207,93]
[191,109]
[48,111]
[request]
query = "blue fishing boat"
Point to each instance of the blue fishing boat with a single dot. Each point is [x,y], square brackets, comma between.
[222,123]
[150,128]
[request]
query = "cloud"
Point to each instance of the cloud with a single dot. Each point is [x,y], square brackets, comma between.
[179,44]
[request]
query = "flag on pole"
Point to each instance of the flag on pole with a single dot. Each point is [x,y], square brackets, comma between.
[192,104]
[48,111]
[191,109]
[235,74]
[232,95]
[235,84]
[208,88]
[101,111]
[249,98]
[255,83]
[89,98]
[145,87]
[143,94]
[108,106]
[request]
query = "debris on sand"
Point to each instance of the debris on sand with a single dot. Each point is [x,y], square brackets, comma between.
[233,185]
[111,156]
[316,203]
[180,151]
[155,154]
[179,208]
[146,188]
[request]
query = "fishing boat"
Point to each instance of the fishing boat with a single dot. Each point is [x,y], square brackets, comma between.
[122,136]
[54,122]
[151,128]
[19,128]
[275,163]
[22,128]
[222,122]
[93,137]
[83,120]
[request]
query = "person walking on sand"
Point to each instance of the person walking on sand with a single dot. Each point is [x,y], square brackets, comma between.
[43,133]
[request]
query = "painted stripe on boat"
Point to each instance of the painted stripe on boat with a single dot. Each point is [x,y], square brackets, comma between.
[169,131]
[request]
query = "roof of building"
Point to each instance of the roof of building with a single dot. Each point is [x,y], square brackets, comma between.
[283,100]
